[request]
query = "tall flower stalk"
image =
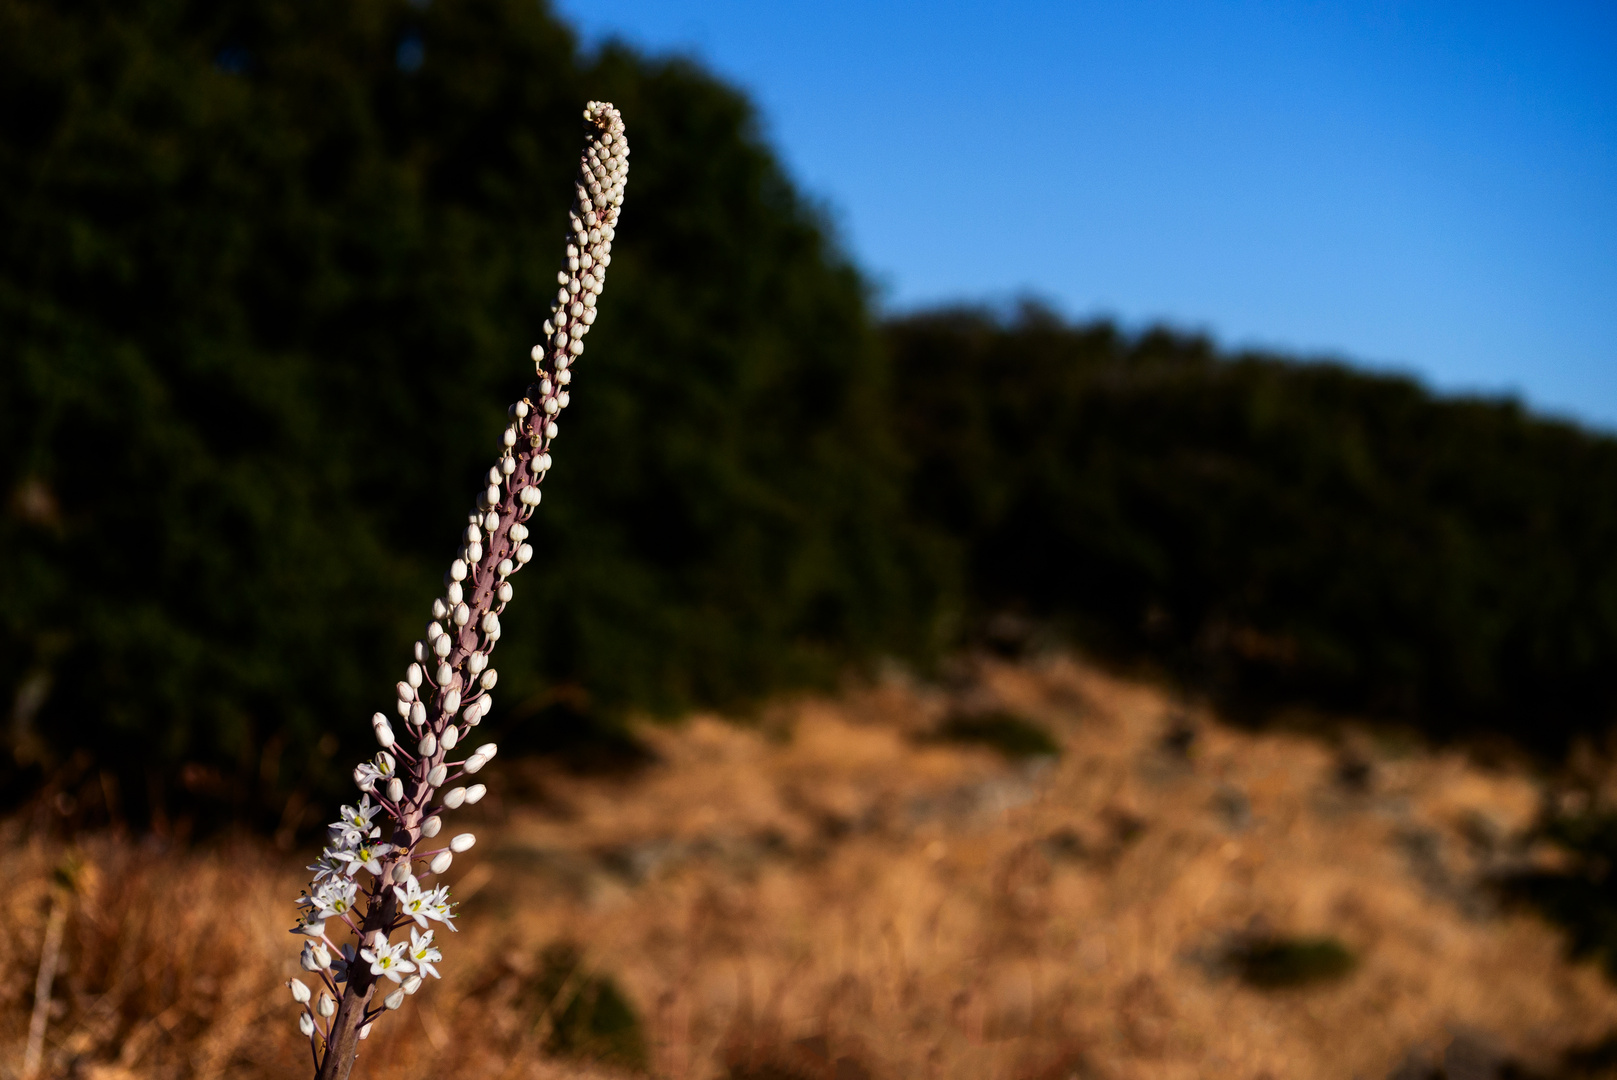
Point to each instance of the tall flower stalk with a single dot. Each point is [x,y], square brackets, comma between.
[380,875]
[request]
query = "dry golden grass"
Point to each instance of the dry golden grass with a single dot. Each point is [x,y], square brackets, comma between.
[830,894]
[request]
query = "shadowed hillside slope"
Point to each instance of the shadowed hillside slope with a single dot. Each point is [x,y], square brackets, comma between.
[1275,532]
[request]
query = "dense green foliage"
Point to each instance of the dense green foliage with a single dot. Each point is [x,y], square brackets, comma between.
[1275,532]
[268,278]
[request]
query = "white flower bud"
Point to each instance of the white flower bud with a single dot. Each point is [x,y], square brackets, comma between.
[564,398]
[492,495]
[550,406]
[463,614]
[325,1006]
[454,797]
[455,592]
[451,701]
[509,439]
[474,764]
[474,552]
[300,992]
[403,708]
[491,623]
[488,750]
[530,496]
[519,532]
[440,862]
[551,431]
[306,1024]
[438,609]
[521,407]
[438,775]
[395,790]
[394,1000]
[457,570]
[435,630]
[401,872]
[411,984]
[383,730]
[430,827]
[441,647]
[412,675]
[463,842]
[322,955]
[476,662]
[446,675]
[365,1032]
[506,568]
[504,592]
[538,354]
[491,521]
[451,737]
[508,466]
[524,553]
[473,534]
[406,692]
[418,711]
[421,648]
[307,959]
[428,745]
[475,793]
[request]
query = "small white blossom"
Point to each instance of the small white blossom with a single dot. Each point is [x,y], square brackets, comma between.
[423,954]
[387,958]
[353,823]
[413,903]
[367,856]
[300,992]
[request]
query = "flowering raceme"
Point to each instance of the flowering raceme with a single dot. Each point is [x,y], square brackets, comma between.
[447,691]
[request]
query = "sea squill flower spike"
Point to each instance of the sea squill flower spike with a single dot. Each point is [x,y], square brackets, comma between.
[447,689]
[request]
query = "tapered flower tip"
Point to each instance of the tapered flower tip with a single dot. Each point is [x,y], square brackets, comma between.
[463,842]
[440,862]
[394,1000]
[300,992]
[306,1024]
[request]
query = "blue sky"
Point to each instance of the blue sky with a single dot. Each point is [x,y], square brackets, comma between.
[1425,187]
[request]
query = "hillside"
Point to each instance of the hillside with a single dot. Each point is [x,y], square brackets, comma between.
[838,891]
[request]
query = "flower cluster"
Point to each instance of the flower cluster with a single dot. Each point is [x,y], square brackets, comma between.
[447,690]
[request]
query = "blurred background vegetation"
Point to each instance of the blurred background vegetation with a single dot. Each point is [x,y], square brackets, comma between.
[269,273]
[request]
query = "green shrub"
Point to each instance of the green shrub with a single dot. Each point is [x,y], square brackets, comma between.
[1281,963]
[1015,737]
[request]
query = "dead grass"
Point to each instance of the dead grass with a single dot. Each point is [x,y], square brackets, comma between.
[837,894]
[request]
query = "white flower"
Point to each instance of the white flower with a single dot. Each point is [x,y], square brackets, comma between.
[334,898]
[387,959]
[368,855]
[367,775]
[413,903]
[354,823]
[423,954]
[439,907]
[329,866]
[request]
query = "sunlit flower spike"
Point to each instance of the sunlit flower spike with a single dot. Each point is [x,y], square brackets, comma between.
[367,881]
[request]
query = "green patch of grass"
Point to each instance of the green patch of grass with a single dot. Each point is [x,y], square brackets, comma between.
[590,1018]
[1282,963]
[1016,737]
